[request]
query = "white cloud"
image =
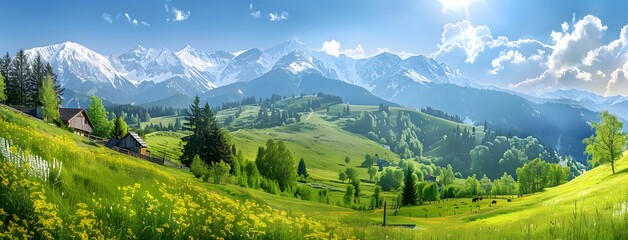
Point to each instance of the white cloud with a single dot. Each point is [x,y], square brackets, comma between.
[274,17]
[251,6]
[580,59]
[511,56]
[180,15]
[332,47]
[618,84]
[582,75]
[571,48]
[356,53]
[256,14]
[107,17]
[565,26]
[135,21]
[473,40]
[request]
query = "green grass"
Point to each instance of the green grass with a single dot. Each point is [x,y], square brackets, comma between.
[165,120]
[592,206]
[165,144]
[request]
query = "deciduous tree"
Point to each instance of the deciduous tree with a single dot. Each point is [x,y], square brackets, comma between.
[48,98]
[608,142]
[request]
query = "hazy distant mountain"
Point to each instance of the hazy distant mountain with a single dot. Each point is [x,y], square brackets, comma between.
[614,104]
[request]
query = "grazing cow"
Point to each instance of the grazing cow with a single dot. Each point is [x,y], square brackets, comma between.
[509,200]
[494,202]
[475,200]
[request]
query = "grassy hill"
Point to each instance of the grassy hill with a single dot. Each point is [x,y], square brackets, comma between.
[103,193]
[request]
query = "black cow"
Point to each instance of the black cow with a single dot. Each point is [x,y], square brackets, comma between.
[494,202]
[509,200]
[475,200]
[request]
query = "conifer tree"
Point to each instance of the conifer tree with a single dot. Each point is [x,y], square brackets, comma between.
[34,83]
[409,188]
[192,123]
[48,98]
[120,128]
[17,80]
[302,169]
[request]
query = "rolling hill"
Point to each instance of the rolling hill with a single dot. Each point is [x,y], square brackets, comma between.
[97,184]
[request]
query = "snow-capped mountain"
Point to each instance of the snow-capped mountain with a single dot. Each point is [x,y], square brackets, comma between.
[297,62]
[146,74]
[84,70]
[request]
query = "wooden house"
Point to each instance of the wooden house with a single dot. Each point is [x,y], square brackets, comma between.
[130,142]
[73,118]
[77,120]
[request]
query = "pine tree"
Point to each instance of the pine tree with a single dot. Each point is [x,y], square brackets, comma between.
[49,100]
[409,188]
[5,66]
[98,116]
[193,124]
[18,76]
[302,169]
[120,128]
[3,96]
[34,83]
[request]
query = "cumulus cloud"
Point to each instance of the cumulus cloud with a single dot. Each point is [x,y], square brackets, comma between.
[106,17]
[332,47]
[618,84]
[474,40]
[135,21]
[580,59]
[512,56]
[275,17]
[571,48]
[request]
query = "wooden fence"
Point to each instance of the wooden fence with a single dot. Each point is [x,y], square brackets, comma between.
[159,161]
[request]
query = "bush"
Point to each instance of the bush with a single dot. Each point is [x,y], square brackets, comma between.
[198,167]
[219,172]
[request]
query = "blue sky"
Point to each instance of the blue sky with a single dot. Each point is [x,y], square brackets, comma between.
[474,32]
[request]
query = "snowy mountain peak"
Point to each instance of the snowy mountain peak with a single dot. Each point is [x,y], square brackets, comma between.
[74,59]
[297,62]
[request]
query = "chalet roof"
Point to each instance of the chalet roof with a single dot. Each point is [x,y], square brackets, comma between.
[66,114]
[112,143]
[27,110]
[138,139]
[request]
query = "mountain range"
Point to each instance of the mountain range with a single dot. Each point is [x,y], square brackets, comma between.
[150,76]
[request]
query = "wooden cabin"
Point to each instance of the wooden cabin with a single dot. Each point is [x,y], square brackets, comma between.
[77,120]
[73,118]
[131,142]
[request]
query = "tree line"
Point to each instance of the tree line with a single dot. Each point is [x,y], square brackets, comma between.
[23,79]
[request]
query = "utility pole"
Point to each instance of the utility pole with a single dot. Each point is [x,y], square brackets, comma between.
[384,214]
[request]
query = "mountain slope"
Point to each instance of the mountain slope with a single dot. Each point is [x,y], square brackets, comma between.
[284,83]
[563,126]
